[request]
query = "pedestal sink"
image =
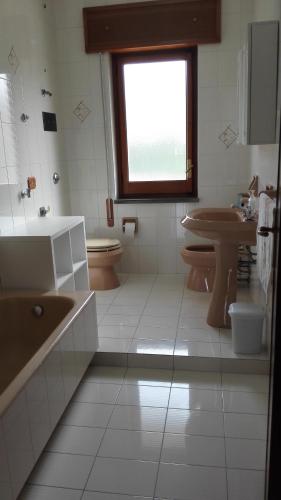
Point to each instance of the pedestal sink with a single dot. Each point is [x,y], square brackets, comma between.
[228,228]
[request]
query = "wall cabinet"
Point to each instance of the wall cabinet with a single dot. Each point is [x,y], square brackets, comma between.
[258,84]
[45,254]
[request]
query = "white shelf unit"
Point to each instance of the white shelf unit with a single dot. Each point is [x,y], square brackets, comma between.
[45,254]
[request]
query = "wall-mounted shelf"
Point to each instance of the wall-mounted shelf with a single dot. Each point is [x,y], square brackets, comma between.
[45,254]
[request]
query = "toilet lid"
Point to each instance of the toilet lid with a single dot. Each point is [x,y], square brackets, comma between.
[102,244]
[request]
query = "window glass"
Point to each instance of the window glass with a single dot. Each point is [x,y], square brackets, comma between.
[156,110]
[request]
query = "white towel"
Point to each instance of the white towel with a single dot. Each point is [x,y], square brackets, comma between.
[265,245]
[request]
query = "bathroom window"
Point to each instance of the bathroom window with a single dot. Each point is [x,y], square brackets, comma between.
[155,97]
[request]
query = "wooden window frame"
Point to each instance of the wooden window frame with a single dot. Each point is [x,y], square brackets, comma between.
[155,189]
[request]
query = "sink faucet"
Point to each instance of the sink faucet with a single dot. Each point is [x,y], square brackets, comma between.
[248,212]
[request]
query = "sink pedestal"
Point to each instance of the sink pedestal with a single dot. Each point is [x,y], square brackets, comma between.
[228,228]
[225,285]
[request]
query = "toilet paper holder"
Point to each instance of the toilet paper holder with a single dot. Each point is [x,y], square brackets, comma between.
[131,220]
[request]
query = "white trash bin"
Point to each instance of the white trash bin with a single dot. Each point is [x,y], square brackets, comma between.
[247,327]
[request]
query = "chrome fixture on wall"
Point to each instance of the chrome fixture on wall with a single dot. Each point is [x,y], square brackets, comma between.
[45,92]
[24,117]
[43,211]
[25,193]
[56,178]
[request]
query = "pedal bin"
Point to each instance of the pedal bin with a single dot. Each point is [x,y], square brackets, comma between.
[247,327]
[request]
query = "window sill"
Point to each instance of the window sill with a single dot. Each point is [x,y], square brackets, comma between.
[123,201]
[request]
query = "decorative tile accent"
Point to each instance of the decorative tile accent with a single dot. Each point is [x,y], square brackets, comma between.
[81,111]
[13,60]
[228,136]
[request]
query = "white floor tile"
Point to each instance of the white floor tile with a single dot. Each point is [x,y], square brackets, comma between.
[105,374]
[245,382]
[129,477]
[76,440]
[160,300]
[200,349]
[245,453]
[116,331]
[199,380]
[198,334]
[106,296]
[48,493]
[127,310]
[158,347]
[102,308]
[120,319]
[245,484]
[155,333]
[138,418]
[194,422]
[159,321]
[134,445]
[193,450]
[160,310]
[87,414]
[62,470]
[243,425]
[184,482]
[146,376]
[243,402]
[144,396]
[91,495]
[200,323]
[194,311]
[114,345]
[89,392]
[195,399]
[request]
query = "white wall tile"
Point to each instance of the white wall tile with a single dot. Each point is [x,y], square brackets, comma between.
[221,171]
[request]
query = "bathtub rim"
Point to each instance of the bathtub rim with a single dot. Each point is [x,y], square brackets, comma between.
[80,299]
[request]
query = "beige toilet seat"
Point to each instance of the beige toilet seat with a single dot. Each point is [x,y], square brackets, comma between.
[102,245]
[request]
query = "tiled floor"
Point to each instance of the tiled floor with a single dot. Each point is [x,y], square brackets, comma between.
[157,314]
[157,434]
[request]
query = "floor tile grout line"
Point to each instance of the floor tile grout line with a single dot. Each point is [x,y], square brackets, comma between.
[177,326]
[224,437]
[140,320]
[95,458]
[161,447]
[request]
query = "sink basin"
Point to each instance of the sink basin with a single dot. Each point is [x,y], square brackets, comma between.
[221,224]
[228,228]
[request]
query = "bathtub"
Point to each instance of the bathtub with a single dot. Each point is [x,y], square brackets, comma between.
[47,343]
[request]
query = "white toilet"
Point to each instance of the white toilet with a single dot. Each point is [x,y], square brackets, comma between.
[103,254]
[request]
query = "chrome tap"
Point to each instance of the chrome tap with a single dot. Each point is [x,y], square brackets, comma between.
[43,211]
[25,193]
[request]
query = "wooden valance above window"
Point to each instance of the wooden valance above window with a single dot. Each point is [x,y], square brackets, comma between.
[151,25]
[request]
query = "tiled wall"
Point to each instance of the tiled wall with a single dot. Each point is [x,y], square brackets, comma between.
[27,64]
[222,171]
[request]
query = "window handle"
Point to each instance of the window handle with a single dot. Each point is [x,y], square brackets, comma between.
[189,168]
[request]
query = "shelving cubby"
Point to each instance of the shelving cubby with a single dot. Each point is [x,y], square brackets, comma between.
[46,254]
